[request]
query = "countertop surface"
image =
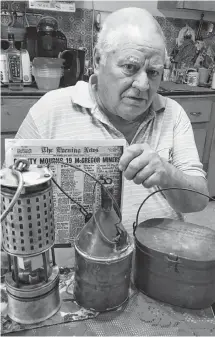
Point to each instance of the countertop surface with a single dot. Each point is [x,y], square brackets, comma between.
[166,89]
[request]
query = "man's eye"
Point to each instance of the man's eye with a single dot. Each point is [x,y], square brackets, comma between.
[153,73]
[131,68]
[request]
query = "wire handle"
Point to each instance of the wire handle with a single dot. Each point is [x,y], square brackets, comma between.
[135,224]
[90,175]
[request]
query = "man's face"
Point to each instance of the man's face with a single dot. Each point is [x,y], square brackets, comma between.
[129,79]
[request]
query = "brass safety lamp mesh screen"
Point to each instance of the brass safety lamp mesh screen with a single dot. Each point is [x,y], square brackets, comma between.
[29,227]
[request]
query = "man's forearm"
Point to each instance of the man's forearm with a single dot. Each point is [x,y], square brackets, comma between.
[185,201]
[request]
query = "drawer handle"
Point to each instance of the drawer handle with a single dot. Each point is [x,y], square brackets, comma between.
[196,113]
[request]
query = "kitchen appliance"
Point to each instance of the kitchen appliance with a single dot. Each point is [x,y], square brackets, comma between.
[28,234]
[50,41]
[103,257]
[74,63]
[175,261]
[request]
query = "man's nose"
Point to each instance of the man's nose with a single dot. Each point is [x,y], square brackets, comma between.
[141,81]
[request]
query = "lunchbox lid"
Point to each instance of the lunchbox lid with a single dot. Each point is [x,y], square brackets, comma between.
[182,239]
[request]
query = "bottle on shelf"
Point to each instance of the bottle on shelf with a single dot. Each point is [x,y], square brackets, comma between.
[14,65]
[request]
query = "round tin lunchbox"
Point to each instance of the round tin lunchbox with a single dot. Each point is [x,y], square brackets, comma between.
[175,262]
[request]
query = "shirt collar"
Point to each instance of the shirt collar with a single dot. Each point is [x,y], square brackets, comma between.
[83,95]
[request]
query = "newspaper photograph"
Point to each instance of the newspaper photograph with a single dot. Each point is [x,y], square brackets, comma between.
[98,158]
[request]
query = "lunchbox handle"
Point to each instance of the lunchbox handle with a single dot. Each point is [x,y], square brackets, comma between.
[135,224]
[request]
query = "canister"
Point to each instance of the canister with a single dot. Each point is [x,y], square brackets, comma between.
[175,262]
[193,78]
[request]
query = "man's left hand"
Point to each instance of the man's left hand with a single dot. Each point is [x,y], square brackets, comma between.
[144,166]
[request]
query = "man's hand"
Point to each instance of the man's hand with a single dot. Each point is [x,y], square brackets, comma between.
[144,166]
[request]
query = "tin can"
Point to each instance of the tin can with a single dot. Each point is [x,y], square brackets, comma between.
[102,284]
[193,78]
[175,262]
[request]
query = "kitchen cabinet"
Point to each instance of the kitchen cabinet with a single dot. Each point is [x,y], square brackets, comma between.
[201,111]
[198,5]
[13,111]
[208,6]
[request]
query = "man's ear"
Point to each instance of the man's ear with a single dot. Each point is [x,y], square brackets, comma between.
[96,60]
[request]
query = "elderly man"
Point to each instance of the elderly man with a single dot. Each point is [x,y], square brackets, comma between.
[121,101]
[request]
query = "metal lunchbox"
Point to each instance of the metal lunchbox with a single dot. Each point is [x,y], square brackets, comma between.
[175,262]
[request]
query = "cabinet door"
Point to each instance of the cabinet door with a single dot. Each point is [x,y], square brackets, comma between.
[13,111]
[208,6]
[199,5]
[199,113]
[200,138]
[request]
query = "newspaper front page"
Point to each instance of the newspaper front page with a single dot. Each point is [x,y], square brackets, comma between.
[99,158]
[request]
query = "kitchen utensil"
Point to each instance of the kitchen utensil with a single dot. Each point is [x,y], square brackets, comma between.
[199,31]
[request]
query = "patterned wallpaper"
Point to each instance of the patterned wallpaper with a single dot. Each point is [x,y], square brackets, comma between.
[78,26]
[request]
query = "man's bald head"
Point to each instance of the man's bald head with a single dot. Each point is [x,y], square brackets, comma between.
[126,24]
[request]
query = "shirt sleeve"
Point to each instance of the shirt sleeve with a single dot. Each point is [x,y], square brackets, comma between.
[185,155]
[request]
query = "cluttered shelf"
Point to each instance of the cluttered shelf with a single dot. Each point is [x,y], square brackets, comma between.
[166,88]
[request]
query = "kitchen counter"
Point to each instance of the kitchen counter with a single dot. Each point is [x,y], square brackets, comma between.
[166,89]
[27,91]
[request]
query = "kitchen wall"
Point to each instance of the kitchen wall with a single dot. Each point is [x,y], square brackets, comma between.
[78,26]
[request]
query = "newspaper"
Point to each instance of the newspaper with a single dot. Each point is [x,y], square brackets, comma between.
[99,158]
